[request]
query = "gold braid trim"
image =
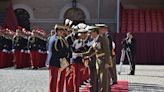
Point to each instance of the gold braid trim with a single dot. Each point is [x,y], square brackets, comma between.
[61,43]
[59,38]
[16,39]
[55,45]
[65,43]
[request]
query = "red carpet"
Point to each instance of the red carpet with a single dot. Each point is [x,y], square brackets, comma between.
[122,86]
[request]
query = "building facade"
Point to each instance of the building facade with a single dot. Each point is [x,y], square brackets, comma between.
[46,14]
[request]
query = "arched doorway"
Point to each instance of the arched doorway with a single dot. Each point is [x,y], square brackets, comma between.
[23,18]
[75,14]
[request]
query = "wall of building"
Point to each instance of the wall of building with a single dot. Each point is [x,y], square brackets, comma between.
[47,13]
[3,5]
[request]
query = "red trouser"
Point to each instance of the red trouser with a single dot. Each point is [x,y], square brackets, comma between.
[19,59]
[62,81]
[70,86]
[35,59]
[42,61]
[27,60]
[85,73]
[57,80]
[77,79]
[10,58]
[3,59]
[6,59]
[53,79]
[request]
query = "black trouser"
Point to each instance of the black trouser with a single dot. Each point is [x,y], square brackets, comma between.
[132,60]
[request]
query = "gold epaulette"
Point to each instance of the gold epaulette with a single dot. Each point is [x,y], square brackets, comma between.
[65,42]
[55,45]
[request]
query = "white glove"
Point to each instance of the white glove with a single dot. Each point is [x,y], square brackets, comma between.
[113,45]
[74,55]
[22,50]
[13,50]
[28,51]
[4,50]
[39,51]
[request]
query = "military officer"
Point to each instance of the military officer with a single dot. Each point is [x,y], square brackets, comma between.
[103,28]
[101,63]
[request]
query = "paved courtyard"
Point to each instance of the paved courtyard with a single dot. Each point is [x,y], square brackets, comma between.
[148,78]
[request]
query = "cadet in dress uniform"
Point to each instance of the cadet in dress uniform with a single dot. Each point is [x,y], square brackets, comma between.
[59,51]
[77,61]
[103,28]
[69,36]
[1,49]
[9,47]
[18,48]
[6,56]
[87,42]
[40,53]
[43,48]
[99,49]
[26,54]
[70,39]
[34,49]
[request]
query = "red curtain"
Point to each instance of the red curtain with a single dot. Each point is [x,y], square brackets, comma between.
[142,20]
[149,47]
[10,19]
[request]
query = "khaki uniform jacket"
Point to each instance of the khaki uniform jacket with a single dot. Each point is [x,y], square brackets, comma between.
[101,49]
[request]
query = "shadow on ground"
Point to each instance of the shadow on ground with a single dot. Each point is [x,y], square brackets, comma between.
[142,87]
